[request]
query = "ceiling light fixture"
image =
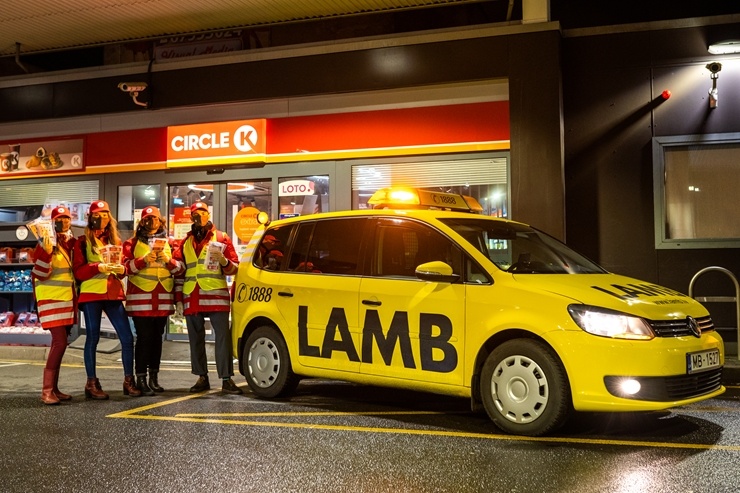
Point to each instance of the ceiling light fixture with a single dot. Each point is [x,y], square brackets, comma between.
[728,47]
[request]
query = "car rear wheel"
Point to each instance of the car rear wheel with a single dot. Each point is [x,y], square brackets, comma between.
[267,361]
[524,388]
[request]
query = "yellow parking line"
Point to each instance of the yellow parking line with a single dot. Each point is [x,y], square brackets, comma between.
[131,413]
[314,413]
[439,433]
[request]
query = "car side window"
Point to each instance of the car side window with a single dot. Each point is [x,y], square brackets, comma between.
[271,251]
[330,246]
[400,247]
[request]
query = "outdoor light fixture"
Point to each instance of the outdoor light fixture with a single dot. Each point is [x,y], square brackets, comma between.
[714,68]
[725,47]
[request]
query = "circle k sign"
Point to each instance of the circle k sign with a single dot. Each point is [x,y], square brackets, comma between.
[216,143]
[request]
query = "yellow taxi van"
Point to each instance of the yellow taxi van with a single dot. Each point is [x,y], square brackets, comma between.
[422,293]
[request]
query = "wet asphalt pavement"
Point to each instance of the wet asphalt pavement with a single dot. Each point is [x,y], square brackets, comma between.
[337,437]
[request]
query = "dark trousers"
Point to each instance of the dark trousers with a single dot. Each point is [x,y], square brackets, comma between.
[148,349]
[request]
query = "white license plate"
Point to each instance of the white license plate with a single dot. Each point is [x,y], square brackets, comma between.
[702,360]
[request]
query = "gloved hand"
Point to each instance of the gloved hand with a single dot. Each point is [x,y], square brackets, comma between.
[179,309]
[162,257]
[104,268]
[117,269]
[46,243]
[219,257]
[150,258]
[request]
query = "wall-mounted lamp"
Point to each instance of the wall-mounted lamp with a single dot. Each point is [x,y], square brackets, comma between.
[202,195]
[725,47]
[133,89]
[714,68]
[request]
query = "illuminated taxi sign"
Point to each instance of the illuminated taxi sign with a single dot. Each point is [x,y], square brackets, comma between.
[404,198]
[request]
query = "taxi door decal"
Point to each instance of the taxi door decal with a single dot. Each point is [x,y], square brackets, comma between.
[398,334]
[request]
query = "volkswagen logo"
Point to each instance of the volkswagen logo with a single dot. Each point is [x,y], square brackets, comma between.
[693,326]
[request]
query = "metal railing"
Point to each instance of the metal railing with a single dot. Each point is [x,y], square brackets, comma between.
[720,299]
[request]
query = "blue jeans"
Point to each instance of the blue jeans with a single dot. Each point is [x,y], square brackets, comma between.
[93,311]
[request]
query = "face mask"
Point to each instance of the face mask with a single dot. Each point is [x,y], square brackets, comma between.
[59,226]
[148,223]
[96,222]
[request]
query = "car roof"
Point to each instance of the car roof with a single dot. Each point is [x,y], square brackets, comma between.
[426,215]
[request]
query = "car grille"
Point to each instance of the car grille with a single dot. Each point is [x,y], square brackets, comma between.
[664,389]
[679,328]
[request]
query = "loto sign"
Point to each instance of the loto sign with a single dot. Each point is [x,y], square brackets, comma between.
[216,143]
[295,187]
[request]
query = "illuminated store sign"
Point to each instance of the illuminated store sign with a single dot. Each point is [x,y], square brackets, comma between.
[216,143]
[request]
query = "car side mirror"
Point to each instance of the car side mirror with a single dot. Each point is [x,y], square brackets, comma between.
[436,271]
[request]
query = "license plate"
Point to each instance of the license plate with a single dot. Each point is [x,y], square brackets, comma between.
[702,360]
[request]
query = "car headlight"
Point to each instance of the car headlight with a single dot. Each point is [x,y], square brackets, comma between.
[610,323]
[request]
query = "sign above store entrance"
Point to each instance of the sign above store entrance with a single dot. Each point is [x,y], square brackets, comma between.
[207,144]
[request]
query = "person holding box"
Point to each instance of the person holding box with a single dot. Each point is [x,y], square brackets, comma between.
[208,256]
[54,289]
[150,296]
[97,266]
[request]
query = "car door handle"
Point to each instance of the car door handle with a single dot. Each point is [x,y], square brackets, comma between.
[371,302]
[285,294]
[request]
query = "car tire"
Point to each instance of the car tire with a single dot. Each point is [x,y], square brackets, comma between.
[524,388]
[267,364]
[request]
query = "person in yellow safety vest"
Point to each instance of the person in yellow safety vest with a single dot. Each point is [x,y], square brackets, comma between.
[150,293]
[101,290]
[208,256]
[54,289]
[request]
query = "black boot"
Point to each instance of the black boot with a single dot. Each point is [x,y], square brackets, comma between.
[141,384]
[154,382]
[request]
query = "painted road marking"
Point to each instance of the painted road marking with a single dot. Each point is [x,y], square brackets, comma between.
[214,419]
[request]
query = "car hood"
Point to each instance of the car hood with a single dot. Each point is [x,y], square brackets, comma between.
[625,294]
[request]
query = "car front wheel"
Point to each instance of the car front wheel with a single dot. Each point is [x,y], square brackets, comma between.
[524,388]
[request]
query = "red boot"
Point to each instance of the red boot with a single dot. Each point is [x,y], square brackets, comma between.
[129,387]
[47,391]
[93,390]
[60,395]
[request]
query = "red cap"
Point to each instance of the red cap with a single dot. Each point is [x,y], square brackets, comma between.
[202,206]
[150,211]
[99,206]
[60,211]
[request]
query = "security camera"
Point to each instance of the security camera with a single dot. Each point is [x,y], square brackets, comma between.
[714,67]
[132,86]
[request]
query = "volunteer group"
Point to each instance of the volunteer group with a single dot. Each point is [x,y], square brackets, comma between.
[164,276]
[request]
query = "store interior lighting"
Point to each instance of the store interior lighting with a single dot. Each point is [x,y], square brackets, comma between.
[727,47]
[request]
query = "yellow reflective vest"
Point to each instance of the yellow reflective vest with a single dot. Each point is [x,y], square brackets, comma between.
[99,282]
[148,277]
[196,272]
[59,285]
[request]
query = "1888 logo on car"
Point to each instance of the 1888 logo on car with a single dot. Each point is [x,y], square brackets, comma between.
[253,293]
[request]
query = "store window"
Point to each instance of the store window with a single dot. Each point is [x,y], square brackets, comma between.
[301,196]
[132,199]
[485,179]
[181,197]
[31,201]
[244,200]
[696,198]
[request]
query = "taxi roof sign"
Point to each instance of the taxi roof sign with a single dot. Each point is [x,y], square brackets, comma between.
[414,198]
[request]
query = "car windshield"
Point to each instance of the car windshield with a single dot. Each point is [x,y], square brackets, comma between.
[520,249]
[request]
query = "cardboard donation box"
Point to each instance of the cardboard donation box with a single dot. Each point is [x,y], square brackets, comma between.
[212,257]
[41,228]
[112,254]
[157,245]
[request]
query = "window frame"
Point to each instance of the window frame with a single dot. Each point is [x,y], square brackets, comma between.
[660,144]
